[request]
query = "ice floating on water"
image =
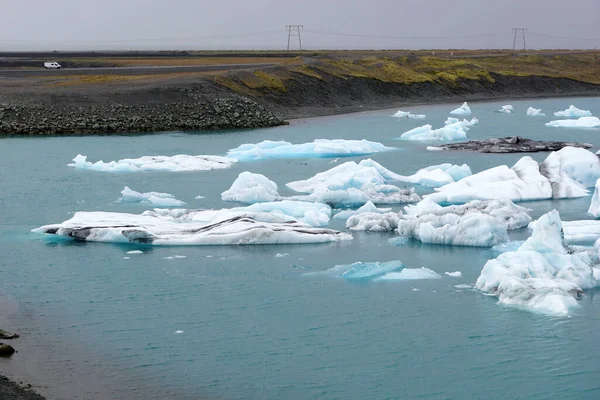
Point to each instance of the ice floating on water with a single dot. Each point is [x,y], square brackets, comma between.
[251,188]
[313,214]
[583,122]
[451,131]
[369,207]
[399,241]
[351,184]
[135,252]
[434,148]
[578,164]
[281,255]
[437,175]
[573,112]
[478,223]
[318,148]
[541,275]
[178,163]
[155,199]
[455,274]
[373,222]
[410,274]
[366,271]
[594,209]
[462,110]
[126,258]
[535,112]
[199,197]
[408,114]
[507,109]
[557,177]
[578,232]
[178,332]
[175,227]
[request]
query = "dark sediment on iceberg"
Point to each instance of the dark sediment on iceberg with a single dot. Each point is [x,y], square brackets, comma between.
[511,144]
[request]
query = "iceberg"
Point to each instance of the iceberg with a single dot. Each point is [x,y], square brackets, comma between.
[583,122]
[351,184]
[477,223]
[578,232]
[455,274]
[462,110]
[578,164]
[564,174]
[368,207]
[373,222]
[451,131]
[173,227]
[434,148]
[366,271]
[509,246]
[408,114]
[594,209]
[313,214]
[573,112]
[251,188]
[410,274]
[535,112]
[437,175]
[155,199]
[541,275]
[318,148]
[507,109]
[178,163]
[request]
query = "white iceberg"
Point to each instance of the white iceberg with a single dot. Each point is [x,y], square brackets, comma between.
[578,164]
[155,199]
[318,148]
[251,188]
[594,209]
[373,222]
[455,274]
[583,122]
[178,163]
[462,110]
[578,232]
[541,275]
[173,227]
[410,274]
[368,207]
[451,131]
[434,148]
[507,109]
[408,114]
[351,184]
[573,112]
[508,246]
[311,213]
[562,175]
[535,112]
[437,175]
[477,223]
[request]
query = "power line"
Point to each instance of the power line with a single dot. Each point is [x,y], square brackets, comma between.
[402,37]
[294,30]
[519,33]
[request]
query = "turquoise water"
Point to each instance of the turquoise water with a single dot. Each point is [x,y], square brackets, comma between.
[96,325]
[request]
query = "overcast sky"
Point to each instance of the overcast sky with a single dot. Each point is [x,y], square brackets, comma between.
[259,24]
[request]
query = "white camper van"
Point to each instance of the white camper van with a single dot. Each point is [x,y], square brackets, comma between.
[52,65]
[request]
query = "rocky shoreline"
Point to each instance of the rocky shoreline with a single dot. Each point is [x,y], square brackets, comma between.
[66,119]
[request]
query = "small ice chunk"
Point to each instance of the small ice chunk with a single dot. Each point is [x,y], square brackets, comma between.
[462,110]
[178,332]
[169,258]
[453,131]
[583,122]
[251,188]
[199,197]
[126,258]
[507,109]
[280,255]
[535,112]
[135,252]
[155,199]
[368,207]
[366,271]
[434,148]
[463,286]
[573,112]
[408,114]
[410,274]
[178,163]
[178,256]
[594,209]
[455,274]
[318,148]
[415,289]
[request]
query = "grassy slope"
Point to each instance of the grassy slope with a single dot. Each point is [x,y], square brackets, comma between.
[413,69]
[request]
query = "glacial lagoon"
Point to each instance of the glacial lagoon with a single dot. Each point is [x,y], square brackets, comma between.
[136,321]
